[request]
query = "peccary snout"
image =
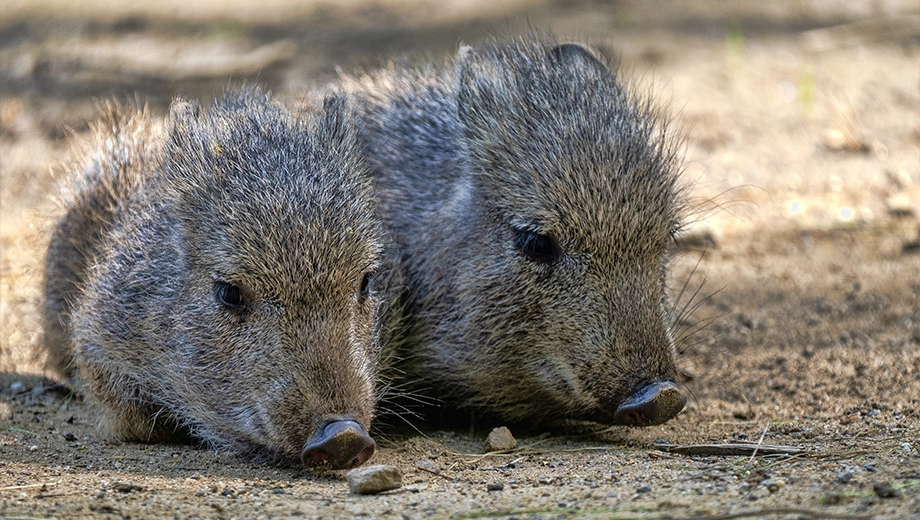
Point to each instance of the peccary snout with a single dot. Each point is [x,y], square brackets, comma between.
[340,444]
[651,404]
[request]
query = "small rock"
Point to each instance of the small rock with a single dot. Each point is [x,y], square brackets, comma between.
[850,419]
[644,489]
[774,484]
[124,487]
[844,477]
[69,437]
[832,499]
[884,490]
[426,464]
[495,486]
[899,205]
[368,480]
[500,439]
[33,448]
[912,247]
[17,387]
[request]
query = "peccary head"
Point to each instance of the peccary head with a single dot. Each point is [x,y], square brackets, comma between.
[560,264]
[276,324]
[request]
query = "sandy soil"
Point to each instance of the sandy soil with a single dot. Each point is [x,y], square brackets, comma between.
[803,150]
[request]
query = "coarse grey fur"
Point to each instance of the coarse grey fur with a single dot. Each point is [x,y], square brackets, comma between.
[210,276]
[532,197]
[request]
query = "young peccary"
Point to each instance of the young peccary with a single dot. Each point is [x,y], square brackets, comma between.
[532,198]
[211,279]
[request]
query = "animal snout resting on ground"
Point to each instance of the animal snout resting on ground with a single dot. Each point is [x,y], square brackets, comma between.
[338,444]
[651,404]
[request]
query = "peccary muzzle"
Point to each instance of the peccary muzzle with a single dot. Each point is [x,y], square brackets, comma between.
[652,404]
[340,444]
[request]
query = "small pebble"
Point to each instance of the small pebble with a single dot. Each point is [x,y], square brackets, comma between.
[774,484]
[644,489]
[844,476]
[495,486]
[33,448]
[17,387]
[427,464]
[899,205]
[500,439]
[884,490]
[832,499]
[369,480]
[906,446]
[850,419]
[124,487]
[69,436]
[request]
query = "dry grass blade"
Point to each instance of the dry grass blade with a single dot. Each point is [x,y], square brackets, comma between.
[847,134]
[733,450]
[29,486]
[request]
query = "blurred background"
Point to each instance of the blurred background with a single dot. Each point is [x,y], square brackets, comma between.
[796,114]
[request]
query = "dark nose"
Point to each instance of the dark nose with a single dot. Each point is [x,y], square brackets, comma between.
[341,444]
[652,404]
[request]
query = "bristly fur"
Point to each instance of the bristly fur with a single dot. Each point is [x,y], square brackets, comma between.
[532,197]
[166,215]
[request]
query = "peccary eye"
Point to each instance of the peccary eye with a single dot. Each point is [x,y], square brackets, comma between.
[229,295]
[536,246]
[365,285]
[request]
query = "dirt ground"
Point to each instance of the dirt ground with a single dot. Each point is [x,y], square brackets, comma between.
[802,123]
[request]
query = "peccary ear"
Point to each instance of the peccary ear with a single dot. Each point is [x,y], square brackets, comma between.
[186,148]
[183,118]
[335,120]
[577,55]
[182,112]
[481,86]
